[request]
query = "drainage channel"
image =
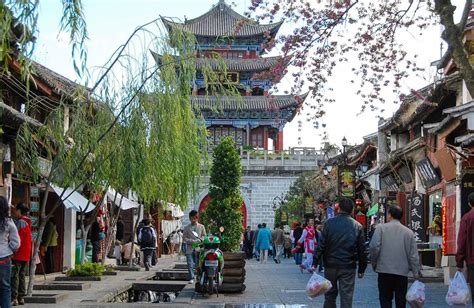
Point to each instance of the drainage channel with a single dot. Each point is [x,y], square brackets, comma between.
[150,291]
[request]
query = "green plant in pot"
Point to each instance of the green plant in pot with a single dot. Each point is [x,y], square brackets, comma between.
[225,208]
[87,269]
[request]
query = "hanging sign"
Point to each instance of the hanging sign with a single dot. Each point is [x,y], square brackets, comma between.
[427,173]
[346,181]
[467,187]
[390,183]
[416,216]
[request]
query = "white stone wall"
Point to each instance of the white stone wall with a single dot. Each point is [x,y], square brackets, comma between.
[258,193]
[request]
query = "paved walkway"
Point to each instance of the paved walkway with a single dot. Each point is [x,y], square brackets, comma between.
[268,285]
[109,286]
[283,285]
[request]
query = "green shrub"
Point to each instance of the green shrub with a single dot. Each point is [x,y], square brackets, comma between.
[225,209]
[87,269]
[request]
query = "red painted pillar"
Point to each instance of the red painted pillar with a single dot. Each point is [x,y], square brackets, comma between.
[279,142]
[265,138]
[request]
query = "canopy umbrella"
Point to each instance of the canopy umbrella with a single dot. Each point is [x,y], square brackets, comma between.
[74,200]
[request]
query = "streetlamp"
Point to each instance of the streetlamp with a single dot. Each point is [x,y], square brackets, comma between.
[344,144]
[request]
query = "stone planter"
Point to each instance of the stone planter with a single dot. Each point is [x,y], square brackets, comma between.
[234,273]
[78,278]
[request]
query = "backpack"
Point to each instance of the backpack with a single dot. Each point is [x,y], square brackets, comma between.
[147,239]
[287,243]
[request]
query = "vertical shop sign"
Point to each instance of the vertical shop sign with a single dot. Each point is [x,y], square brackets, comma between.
[346,182]
[444,225]
[467,187]
[416,216]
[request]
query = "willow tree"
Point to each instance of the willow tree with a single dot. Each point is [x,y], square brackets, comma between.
[134,129]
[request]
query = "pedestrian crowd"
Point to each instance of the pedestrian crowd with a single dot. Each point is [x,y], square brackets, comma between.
[16,249]
[338,250]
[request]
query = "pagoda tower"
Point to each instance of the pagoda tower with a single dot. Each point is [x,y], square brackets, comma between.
[256,117]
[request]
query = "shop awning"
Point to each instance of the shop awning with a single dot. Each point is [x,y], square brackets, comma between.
[74,200]
[123,202]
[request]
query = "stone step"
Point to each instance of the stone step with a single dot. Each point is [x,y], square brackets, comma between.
[64,286]
[180,266]
[78,278]
[172,275]
[127,268]
[44,298]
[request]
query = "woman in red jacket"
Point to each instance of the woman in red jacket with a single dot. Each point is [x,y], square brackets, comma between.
[21,258]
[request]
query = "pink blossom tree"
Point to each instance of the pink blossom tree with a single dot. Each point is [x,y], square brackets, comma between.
[328,33]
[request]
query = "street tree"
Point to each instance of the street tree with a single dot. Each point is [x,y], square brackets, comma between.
[225,208]
[362,35]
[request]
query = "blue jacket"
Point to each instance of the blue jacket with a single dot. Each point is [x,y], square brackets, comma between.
[264,239]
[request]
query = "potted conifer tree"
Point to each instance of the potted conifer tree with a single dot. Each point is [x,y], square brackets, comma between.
[225,209]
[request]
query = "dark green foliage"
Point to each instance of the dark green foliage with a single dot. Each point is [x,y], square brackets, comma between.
[226,170]
[225,208]
[87,269]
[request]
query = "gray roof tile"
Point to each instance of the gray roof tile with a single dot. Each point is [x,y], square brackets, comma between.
[247,103]
[222,20]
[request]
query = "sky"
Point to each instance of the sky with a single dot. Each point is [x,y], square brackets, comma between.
[110,22]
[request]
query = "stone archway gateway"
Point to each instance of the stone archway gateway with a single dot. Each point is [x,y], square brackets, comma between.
[207,199]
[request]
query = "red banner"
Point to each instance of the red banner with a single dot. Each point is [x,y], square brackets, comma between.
[444,222]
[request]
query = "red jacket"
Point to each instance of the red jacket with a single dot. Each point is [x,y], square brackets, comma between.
[466,240]
[26,242]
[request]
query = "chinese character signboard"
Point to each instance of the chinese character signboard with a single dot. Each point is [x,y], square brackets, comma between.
[416,216]
[346,182]
[226,78]
[427,173]
[467,187]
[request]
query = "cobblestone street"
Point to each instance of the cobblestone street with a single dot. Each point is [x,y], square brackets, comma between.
[283,284]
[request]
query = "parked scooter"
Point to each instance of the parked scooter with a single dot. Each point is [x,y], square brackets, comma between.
[211,264]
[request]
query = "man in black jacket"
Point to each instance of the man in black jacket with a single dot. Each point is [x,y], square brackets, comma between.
[341,246]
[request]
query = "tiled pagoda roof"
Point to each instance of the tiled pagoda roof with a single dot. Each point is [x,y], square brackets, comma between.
[239,65]
[247,103]
[59,84]
[222,20]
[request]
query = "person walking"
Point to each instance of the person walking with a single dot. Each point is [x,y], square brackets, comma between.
[147,240]
[278,239]
[21,258]
[319,229]
[255,248]
[9,244]
[49,243]
[308,241]
[248,242]
[264,240]
[342,246]
[465,251]
[298,250]
[393,254]
[189,238]
[95,240]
